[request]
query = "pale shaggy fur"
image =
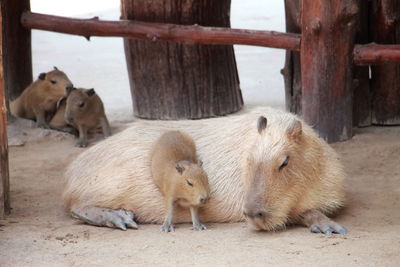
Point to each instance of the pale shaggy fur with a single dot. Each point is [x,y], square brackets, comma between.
[116,172]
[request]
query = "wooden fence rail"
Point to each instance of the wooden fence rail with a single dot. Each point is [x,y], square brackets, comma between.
[160,31]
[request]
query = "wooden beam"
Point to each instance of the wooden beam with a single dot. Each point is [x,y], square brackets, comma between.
[4,175]
[374,54]
[328,33]
[385,78]
[16,47]
[160,31]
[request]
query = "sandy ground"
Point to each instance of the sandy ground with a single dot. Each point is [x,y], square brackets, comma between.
[39,232]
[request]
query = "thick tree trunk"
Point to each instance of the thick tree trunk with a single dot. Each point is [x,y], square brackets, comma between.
[291,71]
[16,47]
[362,92]
[385,83]
[177,81]
[328,34]
[4,178]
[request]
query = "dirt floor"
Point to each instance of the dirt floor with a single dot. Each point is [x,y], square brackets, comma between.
[38,232]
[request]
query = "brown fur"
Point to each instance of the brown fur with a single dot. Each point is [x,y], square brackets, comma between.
[39,100]
[84,110]
[178,174]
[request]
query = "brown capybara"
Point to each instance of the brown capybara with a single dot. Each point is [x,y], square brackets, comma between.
[58,121]
[179,175]
[84,110]
[265,165]
[39,100]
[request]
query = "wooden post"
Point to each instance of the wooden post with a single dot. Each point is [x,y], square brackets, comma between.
[362,92]
[291,71]
[4,178]
[385,82]
[16,47]
[177,81]
[328,33]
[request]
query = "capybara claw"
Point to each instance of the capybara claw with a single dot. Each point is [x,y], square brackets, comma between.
[121,219]
[328,227]
[80,144]
[167,228]
[199,227]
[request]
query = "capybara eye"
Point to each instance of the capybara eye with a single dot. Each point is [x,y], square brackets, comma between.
[189,183]
[53,81]
[82,104]
[284,164]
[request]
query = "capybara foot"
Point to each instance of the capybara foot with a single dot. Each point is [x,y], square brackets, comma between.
[167,227]
[199,227]
[328,227]
[120,218]
[42,125]
[81,144]
[319,223]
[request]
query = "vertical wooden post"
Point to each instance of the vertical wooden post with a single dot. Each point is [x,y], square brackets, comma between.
[328,33]
[362,91]
[16,47]
[291,71]
[177,81]
[385,80]
[4,178]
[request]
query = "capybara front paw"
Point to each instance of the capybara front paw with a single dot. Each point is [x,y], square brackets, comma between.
[81,144]
[120,218]
[328,227]
[199,227]
[167,227]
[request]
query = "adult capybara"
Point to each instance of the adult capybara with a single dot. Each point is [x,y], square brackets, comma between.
[179,175]
[266,165]
[84,110]
[39,100]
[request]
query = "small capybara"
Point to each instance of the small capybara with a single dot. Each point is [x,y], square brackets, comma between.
[265,165]
[179,175]
[84,110]
[39,100]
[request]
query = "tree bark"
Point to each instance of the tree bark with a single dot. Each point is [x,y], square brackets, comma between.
[385,82]
[328,34]
[17,48]
[4,173]
[292,71]
[177,81]
[362,92]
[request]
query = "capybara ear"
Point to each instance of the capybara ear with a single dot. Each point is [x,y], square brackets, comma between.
[261,124]
[55,68]
[70,89]
[42,76]
[179,168]
[295,130]
[200,163]
[90,92]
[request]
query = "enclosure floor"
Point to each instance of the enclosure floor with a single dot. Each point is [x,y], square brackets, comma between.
[39,232]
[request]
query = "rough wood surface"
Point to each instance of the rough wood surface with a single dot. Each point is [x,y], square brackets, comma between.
[4,173]
[376,54]
[326,66]
[385,82]
[189,34]
[177,81]
[291,71]
[362,98]
[17,43]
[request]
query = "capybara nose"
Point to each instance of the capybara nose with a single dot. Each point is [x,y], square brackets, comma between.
[69,88]
[254,214]
[203,200]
